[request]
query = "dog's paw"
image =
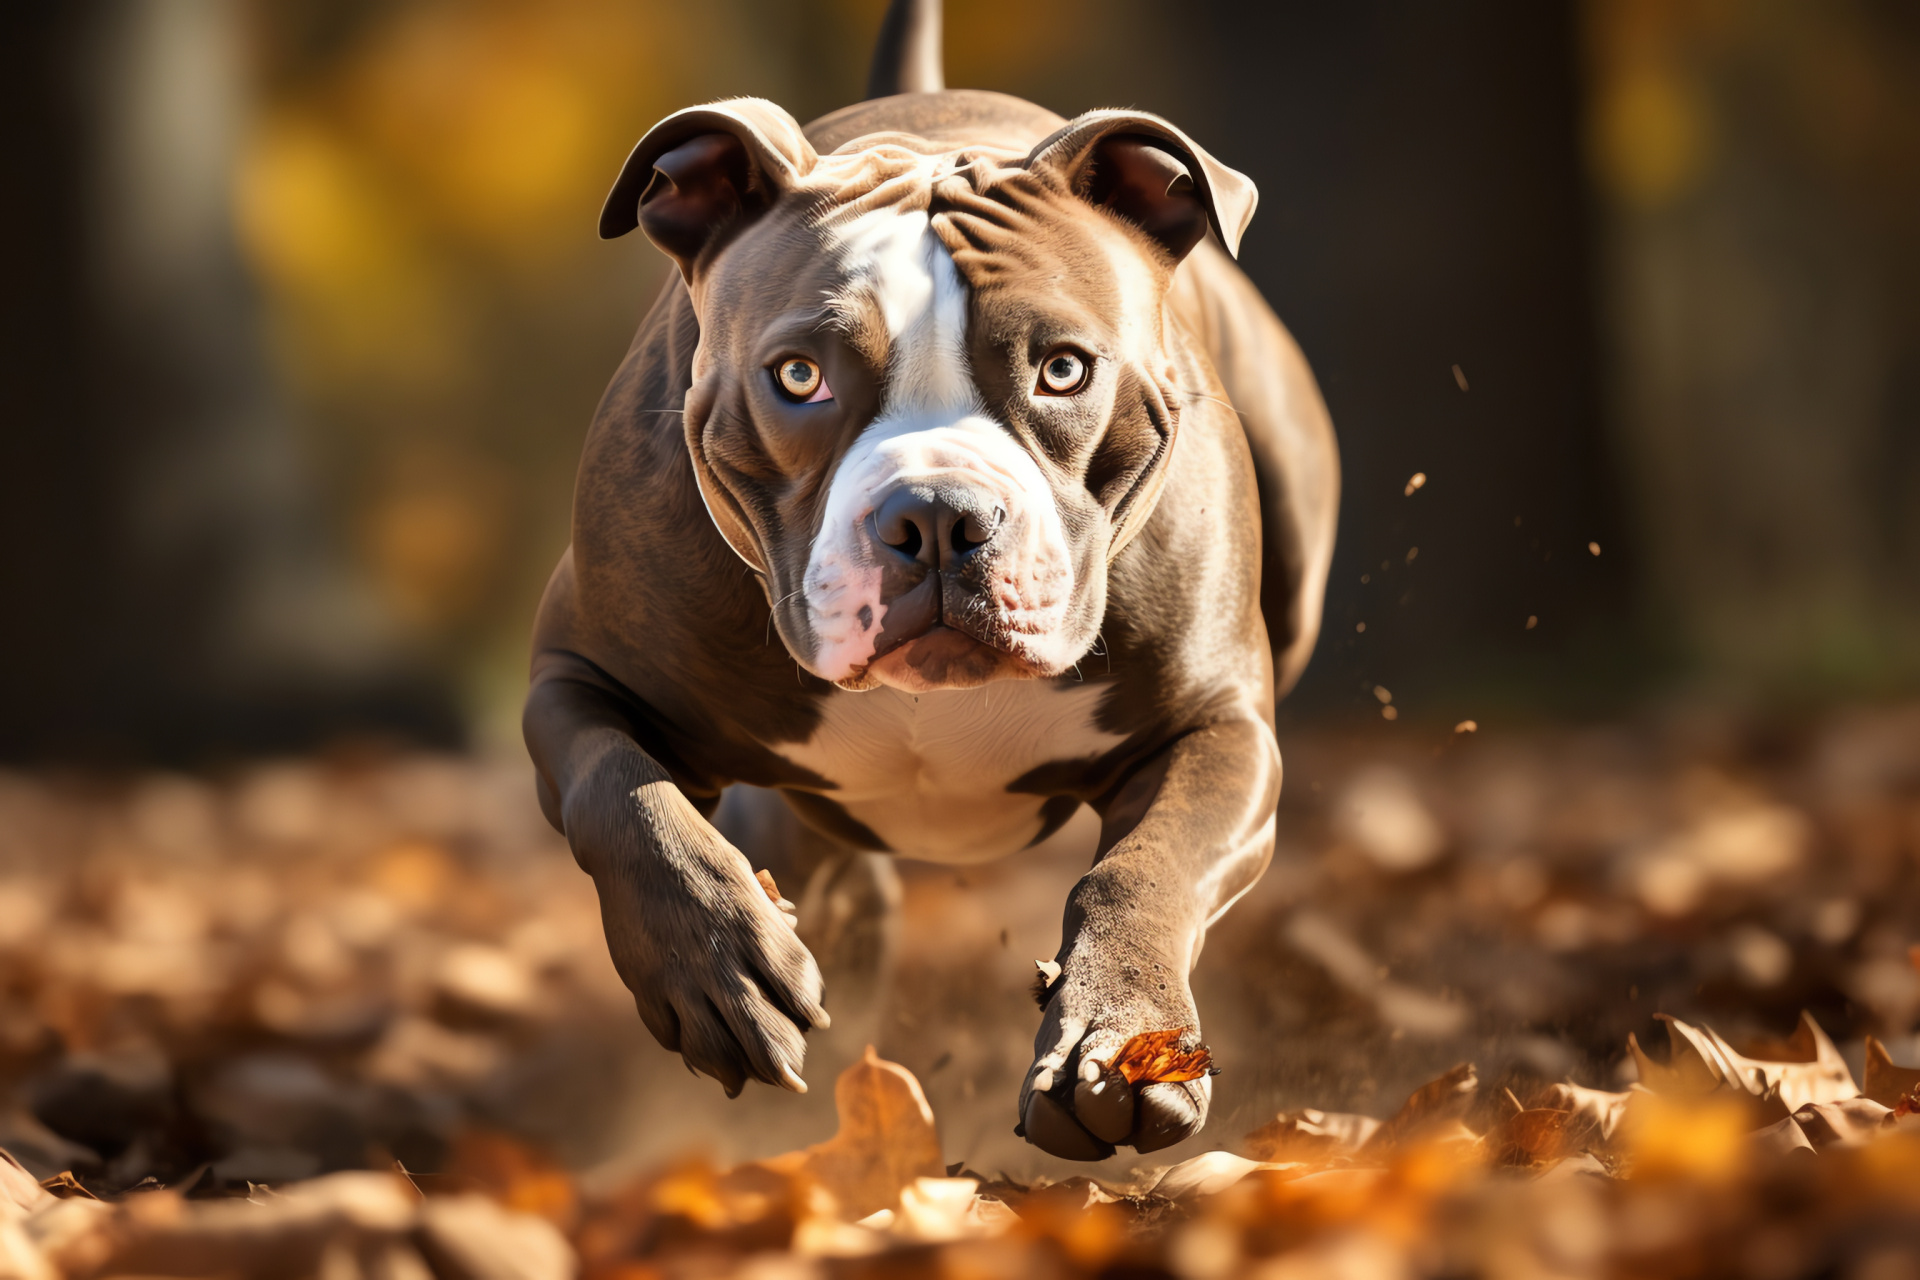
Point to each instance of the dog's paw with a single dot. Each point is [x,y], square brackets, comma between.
[1073,1104]
[717,971]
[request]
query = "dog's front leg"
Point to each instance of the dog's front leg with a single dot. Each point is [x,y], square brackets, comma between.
[715,969]
[1184,837]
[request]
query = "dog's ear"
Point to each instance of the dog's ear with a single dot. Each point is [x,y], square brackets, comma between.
[701,170]
[1150,173]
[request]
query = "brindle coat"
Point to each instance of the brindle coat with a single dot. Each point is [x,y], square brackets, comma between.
[1196,483]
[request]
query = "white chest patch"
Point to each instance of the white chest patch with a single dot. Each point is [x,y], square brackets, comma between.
[928,774]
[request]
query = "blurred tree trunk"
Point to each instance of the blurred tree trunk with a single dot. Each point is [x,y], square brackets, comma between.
[170,580]
[1760,166]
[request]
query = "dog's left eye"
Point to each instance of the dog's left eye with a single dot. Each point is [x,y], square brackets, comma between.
[1063,373]
[802,381]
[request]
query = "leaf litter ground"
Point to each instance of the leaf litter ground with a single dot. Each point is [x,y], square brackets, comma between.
[354,1017]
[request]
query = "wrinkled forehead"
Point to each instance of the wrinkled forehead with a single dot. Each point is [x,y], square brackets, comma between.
[867,246]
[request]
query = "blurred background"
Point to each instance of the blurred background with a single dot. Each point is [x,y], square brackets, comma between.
[305,319]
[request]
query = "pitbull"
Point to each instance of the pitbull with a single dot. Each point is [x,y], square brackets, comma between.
[957,479]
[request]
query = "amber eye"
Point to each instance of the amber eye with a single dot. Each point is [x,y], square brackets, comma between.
[1063,373]
[800,379]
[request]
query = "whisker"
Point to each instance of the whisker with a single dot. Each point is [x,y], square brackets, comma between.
[777,606]
[1201,395]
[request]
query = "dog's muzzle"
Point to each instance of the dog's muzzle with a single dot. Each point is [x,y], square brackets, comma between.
[921,536]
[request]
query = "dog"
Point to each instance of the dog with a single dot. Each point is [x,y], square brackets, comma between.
[957,479]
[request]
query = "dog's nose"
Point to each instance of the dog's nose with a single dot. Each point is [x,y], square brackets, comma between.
[931,529]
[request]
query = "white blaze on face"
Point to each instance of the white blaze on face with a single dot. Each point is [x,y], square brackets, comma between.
[931,429]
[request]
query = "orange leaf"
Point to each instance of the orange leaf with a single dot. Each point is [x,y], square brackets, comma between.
[1153,1057]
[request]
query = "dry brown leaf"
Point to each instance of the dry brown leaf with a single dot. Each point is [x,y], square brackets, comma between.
[886,1139]
[75,1235]
[1540,1135]
[1702,1062]
[18,1187]
[1814,1073]
[472,1238]
[1212,1172]
[162,1234]
[1155,1057]
[1885,1083]
[1309,1135]
[1852,1122]
[1783,1137]
[1595,1116]
[66,1186]
[1435,1101]
[1691,1066]
[938,1210]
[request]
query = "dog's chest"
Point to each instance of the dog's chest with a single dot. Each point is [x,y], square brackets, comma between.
[929,773]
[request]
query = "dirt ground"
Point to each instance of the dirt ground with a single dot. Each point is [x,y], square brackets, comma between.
[289,969]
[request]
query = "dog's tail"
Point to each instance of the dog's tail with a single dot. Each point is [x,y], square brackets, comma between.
[907,57]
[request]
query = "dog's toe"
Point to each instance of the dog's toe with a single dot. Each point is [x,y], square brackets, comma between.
[1052,1128]
[1170,1112]
[1104,1106]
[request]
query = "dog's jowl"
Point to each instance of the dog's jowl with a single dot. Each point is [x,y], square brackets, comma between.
[956,480]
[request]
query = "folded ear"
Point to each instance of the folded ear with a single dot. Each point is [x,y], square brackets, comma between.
[700,170]
[1150,173]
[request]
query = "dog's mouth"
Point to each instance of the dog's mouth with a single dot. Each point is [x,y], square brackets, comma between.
[943,658]
[925,644]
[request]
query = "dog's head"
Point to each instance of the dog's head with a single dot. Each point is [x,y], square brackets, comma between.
[934,393]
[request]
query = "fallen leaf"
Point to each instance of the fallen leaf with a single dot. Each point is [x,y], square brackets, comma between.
[1309,1135]
[1702,1062]
[1155,1057]
[1593,1114]
[1783,1137]
[1851,1122]
[1540,1135]
[20,1257]
[1885,1083]
[65,1186]
[935,1210]
[163,1234]
[886,1139]
[472,1238]
[20,1188]
[1212,1172]
[1433,1102]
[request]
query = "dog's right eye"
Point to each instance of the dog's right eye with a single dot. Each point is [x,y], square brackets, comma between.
[1063,373]
[801,381]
